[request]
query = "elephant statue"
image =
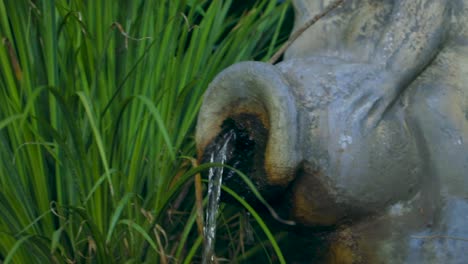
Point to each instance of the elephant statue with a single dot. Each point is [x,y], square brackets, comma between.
[362,128]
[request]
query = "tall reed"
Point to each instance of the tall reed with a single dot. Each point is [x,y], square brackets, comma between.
[98,102]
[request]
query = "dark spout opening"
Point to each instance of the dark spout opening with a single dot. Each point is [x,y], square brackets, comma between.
[245,152]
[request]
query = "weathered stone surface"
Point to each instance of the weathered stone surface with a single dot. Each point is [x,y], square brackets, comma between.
[367,121]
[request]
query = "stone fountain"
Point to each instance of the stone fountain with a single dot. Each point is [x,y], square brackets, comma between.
[362,127]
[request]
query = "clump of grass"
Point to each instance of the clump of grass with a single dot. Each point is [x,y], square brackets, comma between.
[98,102]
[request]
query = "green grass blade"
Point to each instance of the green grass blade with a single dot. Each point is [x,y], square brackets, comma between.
[86,104]
[155,113]
[193,250]
[10,120]
[260,222]
[15,248]
[117,213]
[140,230]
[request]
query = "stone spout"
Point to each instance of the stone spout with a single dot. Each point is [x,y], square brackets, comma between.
[255,99]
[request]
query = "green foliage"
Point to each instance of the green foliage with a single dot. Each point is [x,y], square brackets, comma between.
[98,102]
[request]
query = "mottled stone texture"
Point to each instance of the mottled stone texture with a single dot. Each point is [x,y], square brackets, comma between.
[367,121]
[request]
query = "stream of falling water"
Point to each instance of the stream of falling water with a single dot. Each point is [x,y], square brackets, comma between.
[215,178]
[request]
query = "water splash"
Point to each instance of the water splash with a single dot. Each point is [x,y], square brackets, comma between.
[215,178]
